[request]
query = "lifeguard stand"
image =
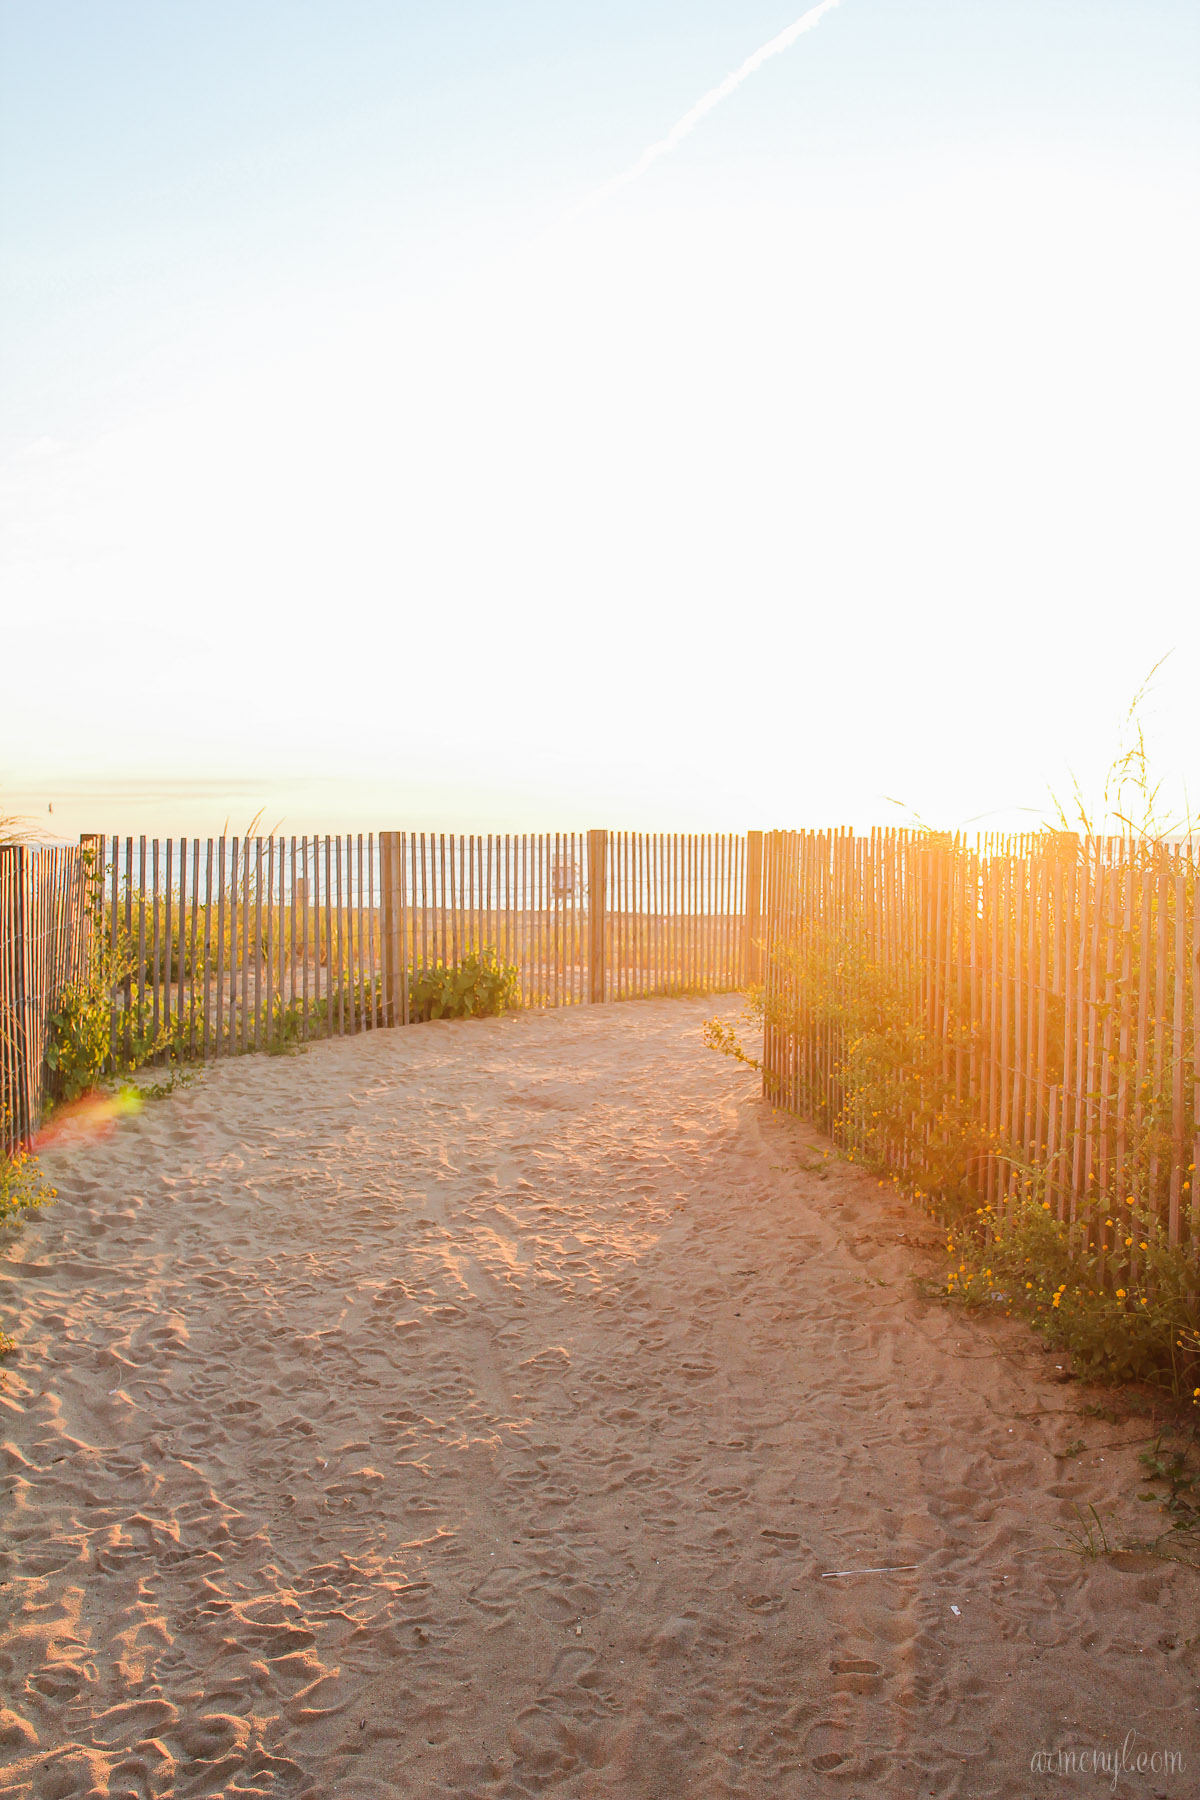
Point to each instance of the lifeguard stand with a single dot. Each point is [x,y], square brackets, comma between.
[564,877]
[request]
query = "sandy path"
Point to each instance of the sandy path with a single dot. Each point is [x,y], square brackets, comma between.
[474,1410]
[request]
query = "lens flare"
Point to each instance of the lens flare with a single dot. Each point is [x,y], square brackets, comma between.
[86,1120]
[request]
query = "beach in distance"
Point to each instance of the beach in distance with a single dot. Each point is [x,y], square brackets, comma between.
[520,1406]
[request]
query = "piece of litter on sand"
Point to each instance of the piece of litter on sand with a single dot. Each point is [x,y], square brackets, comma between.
[956,1612]
[895,1569]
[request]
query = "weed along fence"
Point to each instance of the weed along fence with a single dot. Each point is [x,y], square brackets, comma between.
[43,946]
[1019,1017]
[205,948]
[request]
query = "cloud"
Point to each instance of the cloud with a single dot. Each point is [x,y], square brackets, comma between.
[714,97]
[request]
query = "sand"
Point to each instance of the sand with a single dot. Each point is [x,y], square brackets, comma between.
[475,1410]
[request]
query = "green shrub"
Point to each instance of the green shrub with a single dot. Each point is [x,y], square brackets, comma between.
[77,1049]
[362,1000]
[1125,1311]
[82,1046]
[717,1035]
[871,1072]
[22,1186]
[478,986]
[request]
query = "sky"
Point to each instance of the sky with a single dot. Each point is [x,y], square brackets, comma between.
[391,436]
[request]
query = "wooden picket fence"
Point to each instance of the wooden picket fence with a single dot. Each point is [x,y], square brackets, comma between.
[681,914]
[219,946]
[43,945]
[1051,982]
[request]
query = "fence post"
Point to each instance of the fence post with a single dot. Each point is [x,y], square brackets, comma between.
[395,961]
[597,901]
[19,1122]
[754,887]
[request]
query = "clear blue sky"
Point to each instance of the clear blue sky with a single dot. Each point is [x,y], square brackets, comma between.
[364,458]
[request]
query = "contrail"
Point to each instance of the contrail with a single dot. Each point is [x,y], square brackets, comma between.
[714,97]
